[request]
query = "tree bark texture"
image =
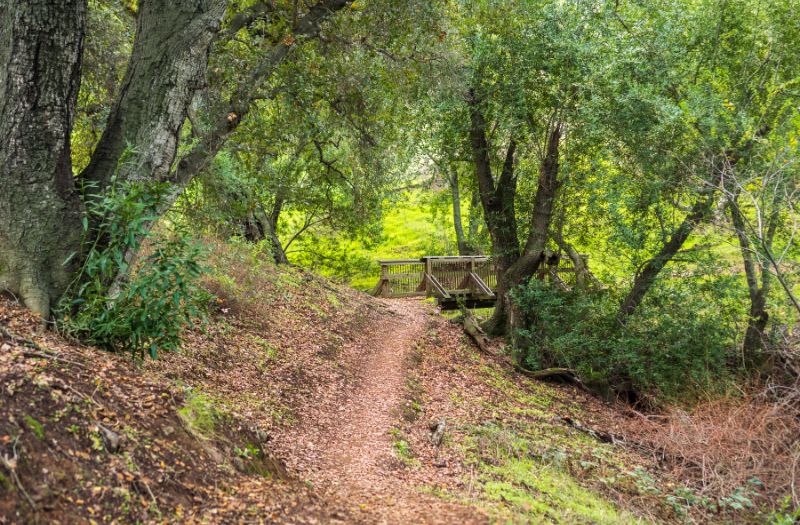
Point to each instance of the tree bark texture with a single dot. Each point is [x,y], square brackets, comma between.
[260,226]
[541,219]
[475,215]
[462,242]
[758,315]
[497,200]
[167,67]
[40,211]
[242,100]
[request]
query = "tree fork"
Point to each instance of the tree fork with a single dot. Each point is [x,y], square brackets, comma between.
[181,173]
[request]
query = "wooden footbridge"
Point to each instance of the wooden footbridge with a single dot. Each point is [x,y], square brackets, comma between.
[454,280]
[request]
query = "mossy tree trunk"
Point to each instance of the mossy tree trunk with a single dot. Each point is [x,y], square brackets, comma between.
[167,67]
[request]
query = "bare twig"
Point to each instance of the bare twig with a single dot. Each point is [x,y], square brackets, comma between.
[10,463]
[37,350]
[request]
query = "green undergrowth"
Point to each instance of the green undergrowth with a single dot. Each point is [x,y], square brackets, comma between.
[527,466]
[534,491]
[35,426]
[540,475]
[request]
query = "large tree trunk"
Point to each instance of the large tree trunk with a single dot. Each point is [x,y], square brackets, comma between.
[167,67]
[498,210]
[40,211]
[185,76]
[270,228]
[542,217]
[40,45]
[278,253]
[513,266]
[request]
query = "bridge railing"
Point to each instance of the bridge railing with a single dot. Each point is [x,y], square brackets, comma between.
[401,278]
[444,277]
[440,276]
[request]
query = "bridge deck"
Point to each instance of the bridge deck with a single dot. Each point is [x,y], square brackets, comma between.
[471,280]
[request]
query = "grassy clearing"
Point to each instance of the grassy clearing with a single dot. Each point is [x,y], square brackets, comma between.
[409,229]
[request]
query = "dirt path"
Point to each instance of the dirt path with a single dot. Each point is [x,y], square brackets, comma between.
[350,455]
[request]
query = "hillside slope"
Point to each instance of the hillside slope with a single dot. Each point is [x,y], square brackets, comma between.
[305,402]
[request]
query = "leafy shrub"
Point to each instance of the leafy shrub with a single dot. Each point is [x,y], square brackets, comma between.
[149,310]
[679,338]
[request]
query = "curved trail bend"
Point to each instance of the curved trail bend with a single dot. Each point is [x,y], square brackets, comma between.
[348,452]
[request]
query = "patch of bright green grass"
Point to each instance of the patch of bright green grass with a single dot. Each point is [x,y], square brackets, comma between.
[200,413]
[34,426]
[524,477]
[410,229]
[402,449]
[536,493]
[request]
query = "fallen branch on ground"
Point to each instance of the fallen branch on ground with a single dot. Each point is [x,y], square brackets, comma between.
[37,351]
[547,372]
[600,435]
[474,330]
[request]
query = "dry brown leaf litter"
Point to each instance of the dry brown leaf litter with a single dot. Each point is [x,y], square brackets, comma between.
[318,376]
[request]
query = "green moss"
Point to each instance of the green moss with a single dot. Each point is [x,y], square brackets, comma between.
[534,492]
[200,413]
[526,472]
[533,400]
[34,426]
[402,449]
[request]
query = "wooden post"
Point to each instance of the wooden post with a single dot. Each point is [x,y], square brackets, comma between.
[472,272]
[428,268]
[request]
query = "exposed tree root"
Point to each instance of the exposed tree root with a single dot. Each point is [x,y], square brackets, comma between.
[474,330]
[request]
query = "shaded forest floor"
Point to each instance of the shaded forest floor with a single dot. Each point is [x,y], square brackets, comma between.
[306,402]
